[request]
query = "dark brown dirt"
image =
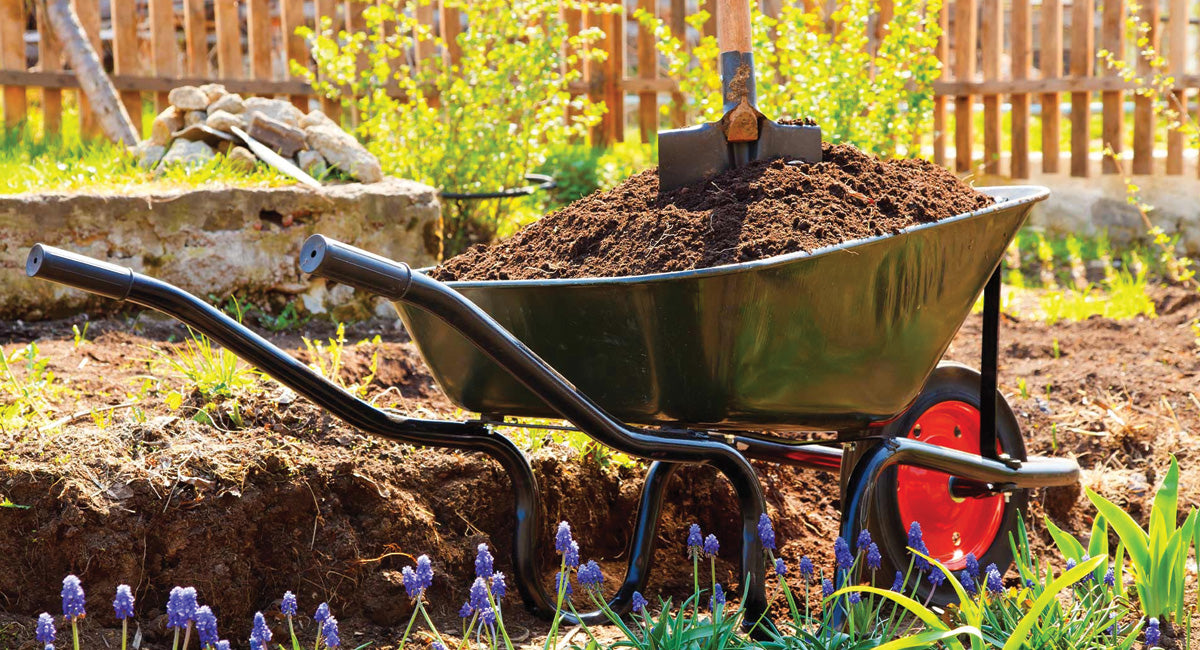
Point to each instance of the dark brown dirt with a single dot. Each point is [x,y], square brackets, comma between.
[294,500]
[762,210]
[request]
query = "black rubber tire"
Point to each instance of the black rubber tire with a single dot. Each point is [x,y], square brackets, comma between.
[948,382]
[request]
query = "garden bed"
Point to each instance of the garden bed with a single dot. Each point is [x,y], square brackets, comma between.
[292,499]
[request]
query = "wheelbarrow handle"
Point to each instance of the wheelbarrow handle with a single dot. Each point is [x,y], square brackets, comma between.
[333,260]
[79,271]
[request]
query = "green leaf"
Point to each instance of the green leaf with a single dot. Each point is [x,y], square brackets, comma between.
[930,638]
[1066,542]
[1021,632]
[174,400]
[1137,542]
[926,615]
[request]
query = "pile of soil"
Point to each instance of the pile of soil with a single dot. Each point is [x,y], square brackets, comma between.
[764,209]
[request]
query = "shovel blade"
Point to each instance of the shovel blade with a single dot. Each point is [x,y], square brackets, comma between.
[689,155]
[789,141]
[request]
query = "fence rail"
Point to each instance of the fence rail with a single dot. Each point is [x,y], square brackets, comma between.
[1031,64]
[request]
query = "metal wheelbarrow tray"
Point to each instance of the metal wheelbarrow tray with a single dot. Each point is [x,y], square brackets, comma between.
[846,339]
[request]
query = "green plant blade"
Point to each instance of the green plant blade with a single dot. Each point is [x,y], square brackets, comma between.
[1137,542]
[1066,542]
[930,638]
[1021,632]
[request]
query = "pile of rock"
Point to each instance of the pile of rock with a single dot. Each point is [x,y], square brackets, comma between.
[313,141]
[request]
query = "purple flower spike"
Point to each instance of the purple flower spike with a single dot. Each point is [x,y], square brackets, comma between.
[780,567]
[329,629]
[465,611]
[874,558]
[639,601]
[806,568]
[499,588]
[260,632]
[936,578]
[255,644]
[562,538]
[484,562]
[288,606]
[322,614]
[995,582]
[968,583]
[695,539]
[45,628]
[479,595]
[590,576]
[572,555]
[711,546]
[972,565]
[206,626]
[488,616]
[826,588]
[181,607]
[766,532]
[1153,634]
[855,598]
[917,542]
[863,541]
[841,550]
[123,603]
[718,597]
[898,583]
[438,646]
[563,582]
[222,645]
[72,598]
[1110,578]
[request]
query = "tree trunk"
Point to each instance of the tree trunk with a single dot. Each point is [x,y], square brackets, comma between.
[106,105]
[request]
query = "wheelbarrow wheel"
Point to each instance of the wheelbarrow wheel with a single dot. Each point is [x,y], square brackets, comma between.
[946,413]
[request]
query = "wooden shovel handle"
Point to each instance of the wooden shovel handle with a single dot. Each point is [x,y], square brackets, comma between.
[733,25]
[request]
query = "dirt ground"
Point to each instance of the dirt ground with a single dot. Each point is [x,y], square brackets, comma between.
[292,499]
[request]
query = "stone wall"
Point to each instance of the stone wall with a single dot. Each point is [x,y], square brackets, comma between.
[218,242]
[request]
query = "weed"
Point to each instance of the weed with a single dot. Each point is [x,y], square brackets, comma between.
[32,394]
[1023,388]
[327,360]
[210,371]
[1055,350]
[80,335]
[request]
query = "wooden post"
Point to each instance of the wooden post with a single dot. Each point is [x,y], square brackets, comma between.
[1082,57]
[1177,24]
[88,12]
[964,70]
[647,59]
[613,123]
[991,35]
[291,17]
[162,43]
[50,60]
[710,25]
[1052,68]
[678,24]
[329,9]
[12,57]
[229,39]
[1113,131]
[940,117]
[126,60]
[1022,53]
[452,27]
[195,37]
[89,70]
[1143,107]
[258,38]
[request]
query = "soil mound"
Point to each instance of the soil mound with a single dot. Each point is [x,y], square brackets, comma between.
[767,208]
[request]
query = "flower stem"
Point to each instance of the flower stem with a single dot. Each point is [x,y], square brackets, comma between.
[175,643]
[552,637]
[124,631]
[75,633]
[411,619]
[187,635]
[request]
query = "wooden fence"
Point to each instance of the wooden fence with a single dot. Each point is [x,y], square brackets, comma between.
[1002,59]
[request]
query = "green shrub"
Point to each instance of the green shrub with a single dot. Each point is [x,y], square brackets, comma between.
[879,101]
[476,126]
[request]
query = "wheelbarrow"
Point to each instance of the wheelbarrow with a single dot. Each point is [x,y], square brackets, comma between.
[710,366]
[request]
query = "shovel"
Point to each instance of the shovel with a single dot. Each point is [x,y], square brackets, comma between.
[692,154]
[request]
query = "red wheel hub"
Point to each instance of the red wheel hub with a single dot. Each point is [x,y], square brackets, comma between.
[952,527]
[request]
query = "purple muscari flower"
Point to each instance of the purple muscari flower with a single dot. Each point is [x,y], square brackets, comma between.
[479,595]
[992,567]
[874,559]
[72,598]
[968,582]
[590,576]
[841,549]
[826,588]
[222,645]
[45,628]
[898,583]
[288,606]
[123,603]
[695,539]
[711,546]
[260,632]
[1110,578]
[1153,634]
[322,614]
[424,571]
[855,598]
[936,578]
[488,616]
[465,611]
[255,644]
[483,562]
[418,580]
[766,532]
[572,555]
[917,542]
[562,538]
[499,588]
[181,607]
[206,626]
[563,582]
[1029,582]
[718,597]
[438,646]
[806,568]
[995,581]
[863,541]
[972,565]
[1087,577]
[780,567]
[329,630]
[639,601]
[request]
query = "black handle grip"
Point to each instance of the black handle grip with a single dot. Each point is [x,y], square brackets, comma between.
[79,271]
[331,259]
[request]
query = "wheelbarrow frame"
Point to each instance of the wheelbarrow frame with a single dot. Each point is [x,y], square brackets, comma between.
[666,448]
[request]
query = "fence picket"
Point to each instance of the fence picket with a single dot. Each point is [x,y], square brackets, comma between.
[1082,48]
[1143,105]
[452,27]
[162,44]
[329,9]
[50,60]
[965,34]
[12,57]
[1177,25]
[940,118]
[229,39]
[1022,53]
[1113,101]
[291,17]
[1051,65]
[991,36]
[679,26]
[89,16]
[647,62]
[258,38]
[195,37]
[126,59]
